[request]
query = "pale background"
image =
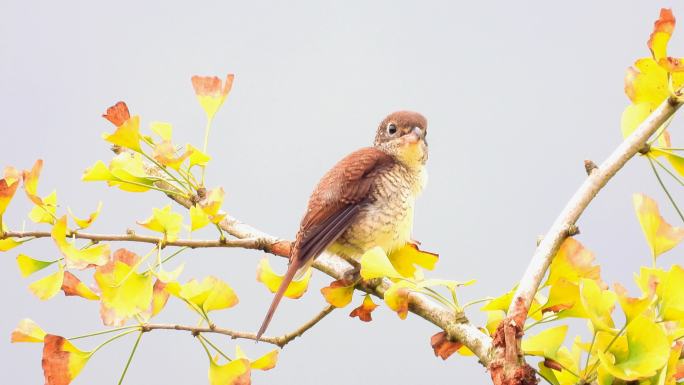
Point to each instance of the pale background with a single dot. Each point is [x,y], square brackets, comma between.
[517,94]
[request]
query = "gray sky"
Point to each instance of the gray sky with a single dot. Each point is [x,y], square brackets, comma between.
[517,95]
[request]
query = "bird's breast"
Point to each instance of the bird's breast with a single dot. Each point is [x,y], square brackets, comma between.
[386,220]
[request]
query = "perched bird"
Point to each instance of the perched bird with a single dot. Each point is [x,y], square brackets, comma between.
[365,200]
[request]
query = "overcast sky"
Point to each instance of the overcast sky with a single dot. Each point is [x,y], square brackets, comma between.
[517,95]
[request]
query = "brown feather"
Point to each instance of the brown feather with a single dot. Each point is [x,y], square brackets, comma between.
[336,200]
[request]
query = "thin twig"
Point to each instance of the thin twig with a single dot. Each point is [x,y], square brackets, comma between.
[234,334]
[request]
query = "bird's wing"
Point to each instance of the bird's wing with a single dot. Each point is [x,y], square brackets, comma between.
[332,207]
[336,201]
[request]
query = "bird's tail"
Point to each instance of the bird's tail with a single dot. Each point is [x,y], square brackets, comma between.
[291,271]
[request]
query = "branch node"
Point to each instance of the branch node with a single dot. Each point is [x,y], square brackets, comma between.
[130,232]
[589,166]
[145,329]
[572,230]
[201,193]
[195,333]
[644,149]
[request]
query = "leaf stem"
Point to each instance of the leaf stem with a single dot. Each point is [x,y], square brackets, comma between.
[116,337]
[660,181]
[130,357]
[102,332]
[214,347]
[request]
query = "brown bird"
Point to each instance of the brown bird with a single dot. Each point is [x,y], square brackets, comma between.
[365,200]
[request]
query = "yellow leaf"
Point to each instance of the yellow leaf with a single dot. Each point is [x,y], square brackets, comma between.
[598,304]
[660,235]
[494,318]
[27,331]
[99,172]
[163,129]
[647,351]
[31,182]
[265,275]
[128,171]
[546,343]
[632,307]
[8,244]
[672,295]
[375,264]
[198,218]
[339,293]
[266,362]
[126,135]
[211,204]
[405,258]
[164,221]
[124,292]
[633,116]
[165,153]
[397,297]
[197,157]
[45,212]
[573,262]
[210,294]
[85,223]
[76,258]
[236,372]
[46,287]
[28,265]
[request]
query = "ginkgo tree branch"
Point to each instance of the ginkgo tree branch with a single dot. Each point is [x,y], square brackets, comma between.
[130,236]
[280,341]
[507,354]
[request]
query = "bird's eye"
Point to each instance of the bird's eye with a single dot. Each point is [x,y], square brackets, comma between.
[391,128]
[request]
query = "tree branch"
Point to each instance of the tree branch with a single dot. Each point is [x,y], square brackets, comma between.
[248,243]
[278,341]
[508,366]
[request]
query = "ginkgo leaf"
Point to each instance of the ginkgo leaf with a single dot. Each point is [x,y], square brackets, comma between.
[28,265]
[647,351]
[503,302]
[209,294]
[649,280]
[163,129]
[236,372]
[85,223]
[631,306]
[170,276]
[126,135]
[211,204]
[442,346]
[76,258]
[129,174]
[27,331]
[564,299]
[546,343]
[45,212]
[397,297]
[7,190]
[598,304]
[197,157]
[494,318]
[375,264]
[633,116]
[198,218]
[46,287]
[660,235]
[30,178]
[166,154]
[124,293]
[62,361]
[8,244]
[672,295]
[339,293]
[266,362]
[117,114]
[405,258]
[268,277]
[72,286]
[160,297]
[573,262]
[164,221]
[211,92]
[364,311]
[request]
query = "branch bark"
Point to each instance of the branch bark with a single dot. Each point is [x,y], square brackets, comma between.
[508,366]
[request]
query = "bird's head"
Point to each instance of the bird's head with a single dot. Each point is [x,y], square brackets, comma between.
[402,135]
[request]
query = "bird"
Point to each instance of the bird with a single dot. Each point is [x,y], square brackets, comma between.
[365,200]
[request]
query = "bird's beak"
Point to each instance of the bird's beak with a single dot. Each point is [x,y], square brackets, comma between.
[415,135]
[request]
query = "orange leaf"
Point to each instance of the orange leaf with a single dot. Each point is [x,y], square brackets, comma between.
[71,285]
[211,93]
[364,311]
[62,361]
[117,114]
[339,293]
[442,347]
[396,298]
[31,182]
[27,331]
[7,190]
